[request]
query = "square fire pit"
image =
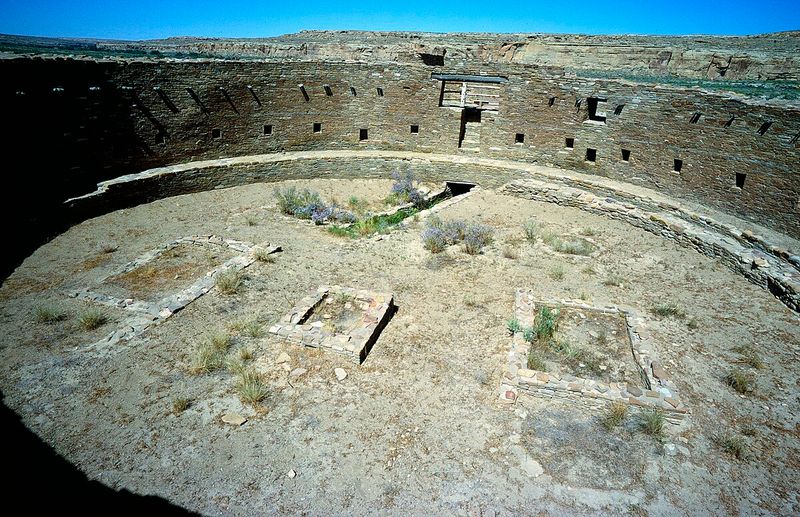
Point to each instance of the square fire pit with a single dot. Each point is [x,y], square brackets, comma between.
[344,320]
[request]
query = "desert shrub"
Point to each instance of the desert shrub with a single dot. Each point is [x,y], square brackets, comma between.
[48,313]
[404,188]
[435,221]
[290,199]
[740,381]
[513,326]
[343,216]
[614,280]
[307,211]
[439,234]
[573,246]
[434,240]
[614,415]
[535,361]
[510,253]
[228,282]
[320,214]
[652,422]
[531,229]
[476,236]
[557,272]
[545,324]
[251,387]
[92,319]
[588,232]
[529,334]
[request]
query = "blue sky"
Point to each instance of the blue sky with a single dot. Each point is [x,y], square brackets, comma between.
[146,19]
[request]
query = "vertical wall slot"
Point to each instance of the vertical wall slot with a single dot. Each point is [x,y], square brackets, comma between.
[740,177]
[626,155]
[328,90]
[591,155]
[551,101]
[268,129]
[764,128]
[363,134]
[380,92]
[352,91]
[317,127]
[304,92]
[695,118]
[569,143]
[677,165]
[729,123]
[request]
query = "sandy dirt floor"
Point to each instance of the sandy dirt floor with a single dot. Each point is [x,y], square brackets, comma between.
[417,429]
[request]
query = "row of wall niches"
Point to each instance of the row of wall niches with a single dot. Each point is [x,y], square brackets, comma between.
[597,107]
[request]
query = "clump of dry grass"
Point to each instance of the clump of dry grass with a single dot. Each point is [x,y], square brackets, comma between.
[557,272]
[535,361]
[750,356]
[652,423]
[228,282]
[740,381]
[251,387]
[48,314]
[614,415]
[250,328]
[668,310]
[210,355]
[92,318]
[510,253]
[180,404]
[262,255]
[734,445]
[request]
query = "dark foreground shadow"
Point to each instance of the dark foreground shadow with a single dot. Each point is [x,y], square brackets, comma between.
[36,474]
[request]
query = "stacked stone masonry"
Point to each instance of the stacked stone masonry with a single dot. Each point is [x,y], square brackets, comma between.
[102,119]
[376,310]
[767,264]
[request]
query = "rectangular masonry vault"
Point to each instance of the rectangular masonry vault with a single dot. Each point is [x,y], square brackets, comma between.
[645,385]
[341,319]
